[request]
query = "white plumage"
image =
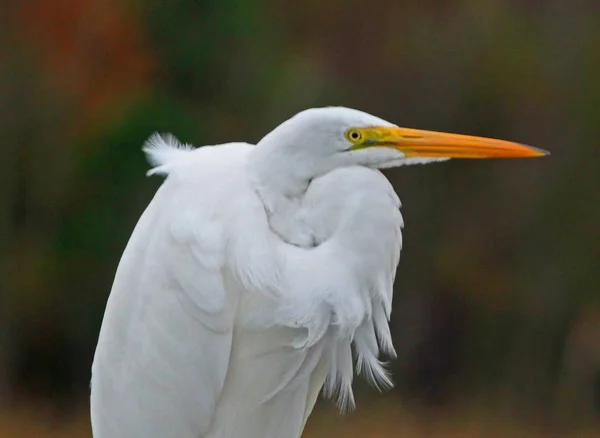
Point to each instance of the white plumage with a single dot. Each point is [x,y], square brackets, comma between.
[248,281]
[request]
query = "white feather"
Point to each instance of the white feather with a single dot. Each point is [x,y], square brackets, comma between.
[163,151]
[245,285]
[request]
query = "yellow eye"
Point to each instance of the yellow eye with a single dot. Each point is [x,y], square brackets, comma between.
[353,136]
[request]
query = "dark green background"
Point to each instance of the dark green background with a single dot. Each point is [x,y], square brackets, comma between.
[497,294]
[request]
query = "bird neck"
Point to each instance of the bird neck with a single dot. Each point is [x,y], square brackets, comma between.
[278,182]
[276,178]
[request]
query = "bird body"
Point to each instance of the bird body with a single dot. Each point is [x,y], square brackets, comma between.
[249,280]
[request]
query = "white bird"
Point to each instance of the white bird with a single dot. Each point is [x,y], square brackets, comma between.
[254,274]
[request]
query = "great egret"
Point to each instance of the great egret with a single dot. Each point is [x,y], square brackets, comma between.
[254,272]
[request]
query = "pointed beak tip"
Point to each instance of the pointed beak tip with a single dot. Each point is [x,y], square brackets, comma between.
[539,152]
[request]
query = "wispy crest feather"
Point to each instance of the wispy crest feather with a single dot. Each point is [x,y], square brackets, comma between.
[162,150]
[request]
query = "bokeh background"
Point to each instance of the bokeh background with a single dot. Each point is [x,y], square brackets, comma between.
[497,311]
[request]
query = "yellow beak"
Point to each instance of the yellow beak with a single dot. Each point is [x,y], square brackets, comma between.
[419,143]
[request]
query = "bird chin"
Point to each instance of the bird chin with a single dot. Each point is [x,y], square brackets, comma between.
[410,161]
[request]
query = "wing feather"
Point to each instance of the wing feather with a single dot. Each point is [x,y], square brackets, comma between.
[190,346]
[165,342]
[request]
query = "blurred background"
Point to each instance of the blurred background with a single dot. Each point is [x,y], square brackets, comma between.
[497,310]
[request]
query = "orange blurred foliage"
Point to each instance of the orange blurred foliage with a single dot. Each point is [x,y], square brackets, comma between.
[92,51]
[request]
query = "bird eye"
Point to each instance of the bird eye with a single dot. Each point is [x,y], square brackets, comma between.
[353,135]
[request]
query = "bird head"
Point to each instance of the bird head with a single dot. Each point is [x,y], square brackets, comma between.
[319,140]
[342,136]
